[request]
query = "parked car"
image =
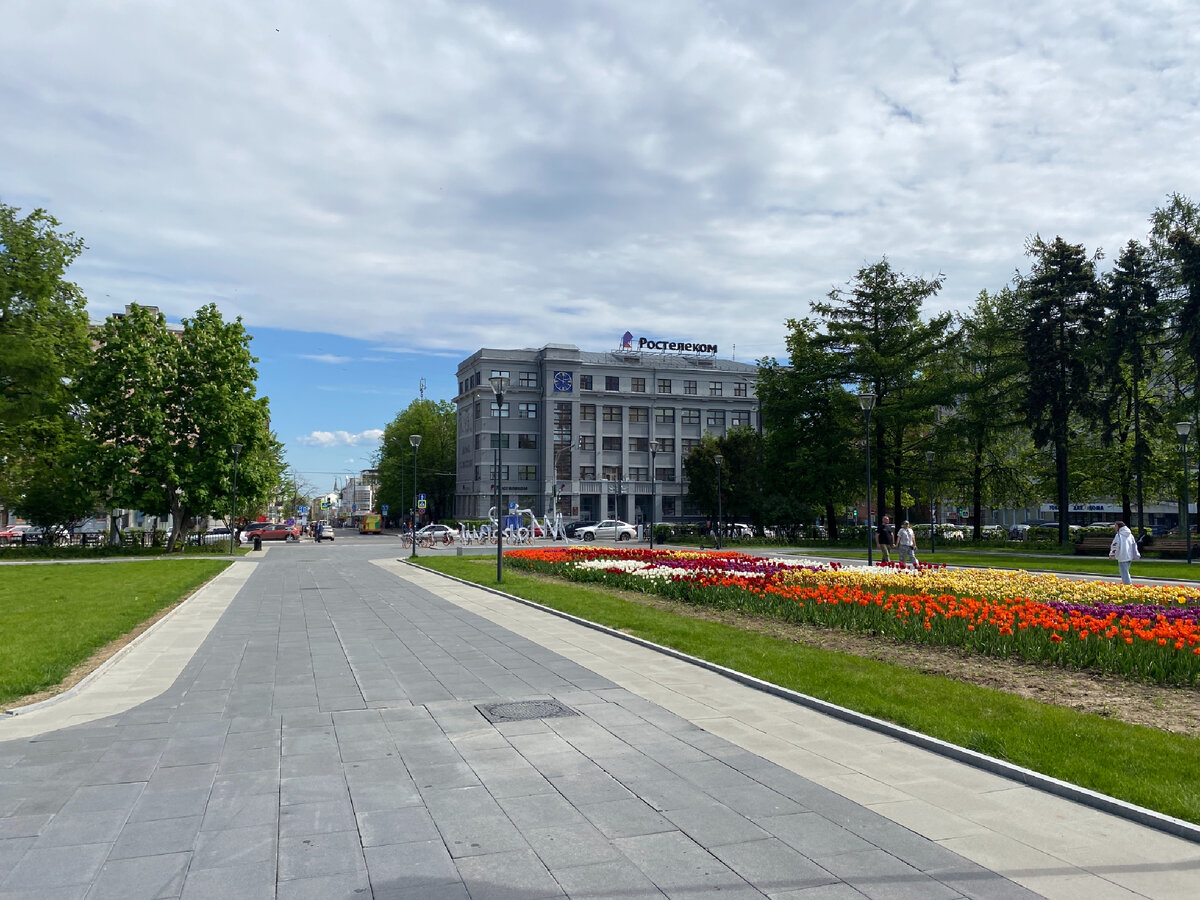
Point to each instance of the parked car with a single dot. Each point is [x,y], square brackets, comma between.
[741,530]
[439,534]
[608,530]
[270,531]
[13,533]
[322,531]
[572,530]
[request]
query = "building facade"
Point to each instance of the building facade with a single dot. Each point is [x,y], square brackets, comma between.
[575,429]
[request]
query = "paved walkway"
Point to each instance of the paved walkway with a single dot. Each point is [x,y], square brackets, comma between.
[308,726]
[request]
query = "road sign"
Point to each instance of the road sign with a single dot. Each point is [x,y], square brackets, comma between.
[301,509]
[384,508]
[420,501]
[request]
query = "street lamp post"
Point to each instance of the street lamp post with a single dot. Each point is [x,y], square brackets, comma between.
[653,493]
[866,400]
[499,385]
[415,440]
[1183,429]
[932,506]
[237,451]
[719,460]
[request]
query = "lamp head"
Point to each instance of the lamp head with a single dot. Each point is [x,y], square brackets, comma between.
[866,400]
[929,457]
[655,446]
[237,449]
[1183,429]
[499,384]
[718,459]
[415,440]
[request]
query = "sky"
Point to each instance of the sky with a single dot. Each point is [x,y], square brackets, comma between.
[380,188]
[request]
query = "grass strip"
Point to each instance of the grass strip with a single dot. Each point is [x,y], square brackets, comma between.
[1150,768]
[53,617]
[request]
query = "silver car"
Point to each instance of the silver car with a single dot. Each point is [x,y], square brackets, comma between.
[608,530]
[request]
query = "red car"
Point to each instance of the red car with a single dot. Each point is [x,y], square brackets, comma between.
[268,531]
[13,533]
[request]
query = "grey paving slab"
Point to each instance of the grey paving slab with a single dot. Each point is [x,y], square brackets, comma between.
[324,741]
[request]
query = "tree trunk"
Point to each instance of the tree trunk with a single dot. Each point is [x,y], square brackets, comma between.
[831,528]
[1061,478]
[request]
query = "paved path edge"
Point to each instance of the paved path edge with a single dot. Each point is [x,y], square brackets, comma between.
[1093,799]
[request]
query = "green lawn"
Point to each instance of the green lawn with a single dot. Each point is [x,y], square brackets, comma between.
[53,617]
[1144,766]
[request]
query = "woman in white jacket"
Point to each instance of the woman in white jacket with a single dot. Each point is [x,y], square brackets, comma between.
[1124,550]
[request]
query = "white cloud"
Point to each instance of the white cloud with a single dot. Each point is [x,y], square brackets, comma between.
[369,437]
[442,176]
[329,358]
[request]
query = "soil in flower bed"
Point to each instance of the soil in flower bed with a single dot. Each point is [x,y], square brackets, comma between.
[1173,709]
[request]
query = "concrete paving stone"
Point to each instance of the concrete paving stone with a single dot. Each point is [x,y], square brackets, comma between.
[192,750]
[134,749]
[411,864]
[838,891]
[104,796]
[714,824]
[156,805]
[541,810]
[591,787]
[568,846]
[52,867]
[522,783]
[316,818]
[479,835]
[235,847]
[12,826]
[353,751]
[243,882]
[90,827]
[67,892]
[500,757]
[252,740]
[812,834]
[617,878]
[261,759]
[11,850]
[879,874]
[471,802]
[396,826]
[508,876]
[147,876]
[312,855]
[373,795]
[313,789]
[771,865]
[979,883]
[679,866]
[310,764]
[182,778]
[442,776]
[303,718]
[265,781]
[154,838]
[325,887]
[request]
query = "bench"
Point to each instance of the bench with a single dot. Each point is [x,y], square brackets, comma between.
[1094,545]
[1173,546]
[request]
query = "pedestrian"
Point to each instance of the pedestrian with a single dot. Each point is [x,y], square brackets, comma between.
[883,538]
[906,544]
[1124,550]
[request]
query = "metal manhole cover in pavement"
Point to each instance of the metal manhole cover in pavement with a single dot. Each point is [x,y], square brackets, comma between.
[523,710]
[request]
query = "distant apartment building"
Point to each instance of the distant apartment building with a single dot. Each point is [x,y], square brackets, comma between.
[576,426]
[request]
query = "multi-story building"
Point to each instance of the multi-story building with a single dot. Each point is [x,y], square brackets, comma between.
[576,428]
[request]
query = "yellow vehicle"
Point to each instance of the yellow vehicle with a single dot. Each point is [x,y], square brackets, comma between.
[370,524]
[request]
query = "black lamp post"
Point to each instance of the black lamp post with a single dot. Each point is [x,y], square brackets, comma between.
[866,400]
[1183,429]
[499,386]
[719,460]
[932,506]
[237,451]
[415,440]
[653,492]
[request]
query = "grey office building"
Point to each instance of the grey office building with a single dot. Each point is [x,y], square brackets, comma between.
[576,427]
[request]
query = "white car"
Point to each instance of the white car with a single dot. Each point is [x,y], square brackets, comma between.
[608,530]
[439,534]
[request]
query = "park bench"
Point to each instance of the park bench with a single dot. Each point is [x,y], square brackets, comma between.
[1173,546]
[1094,545]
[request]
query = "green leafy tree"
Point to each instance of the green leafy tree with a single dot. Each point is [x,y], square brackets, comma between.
[1060,323]
[43,343]
[437,423]
[876,330]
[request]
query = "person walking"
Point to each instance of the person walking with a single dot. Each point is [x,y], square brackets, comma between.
[883,538]
[1124,550]
[906,544]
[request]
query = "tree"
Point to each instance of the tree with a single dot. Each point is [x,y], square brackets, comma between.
[875,330]
[1060,321]
[43,343]
[437,423]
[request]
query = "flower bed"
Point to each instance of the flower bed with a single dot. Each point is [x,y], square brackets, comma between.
[1145,632]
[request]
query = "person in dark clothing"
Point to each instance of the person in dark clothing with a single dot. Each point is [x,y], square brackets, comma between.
[884,539]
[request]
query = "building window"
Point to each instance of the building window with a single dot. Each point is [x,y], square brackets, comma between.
[527,410]
[503,473]
[689,387]
[587,412]
[527,379]
[664,385]
[612,443]
[527,441]
[714,389]
[526,473]
[478,409]
[665,416]
[612,414]
[639,445]
[587,473]
[477,473]
[611,473]
[639,414]
[740,389]
[492,438]
[638,473]
[562,463]
[690,444]
[585,382]
[587,442]
[666,445]
[612,383]
[500,373]
[715,418]
[691,416]
[500,410]
[668,504]
[739,419]
[664,474]
[637,385]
